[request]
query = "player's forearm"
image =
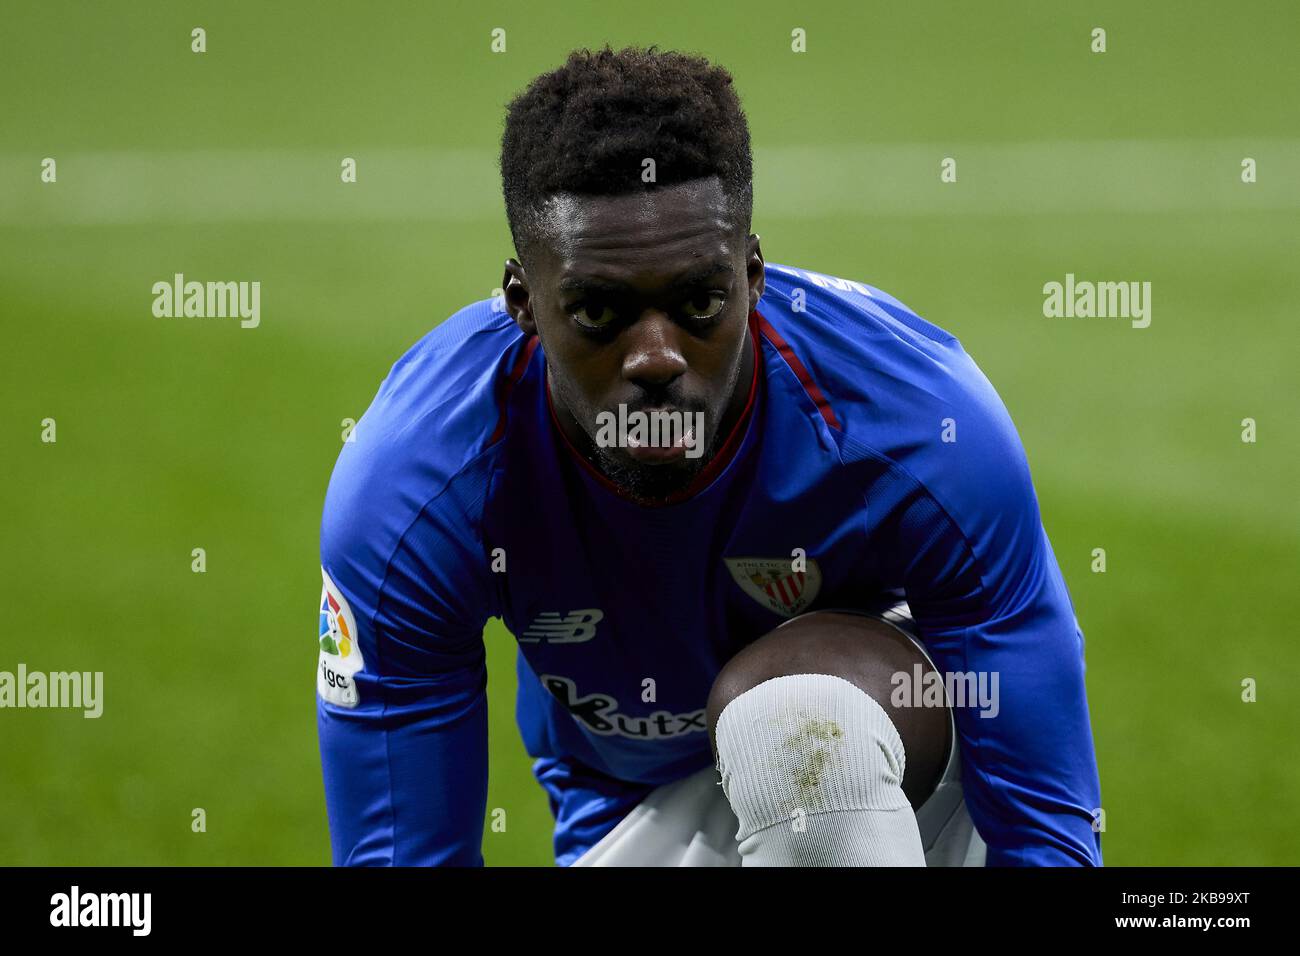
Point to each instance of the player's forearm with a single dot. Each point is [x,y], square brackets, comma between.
[400,794]
[1029,766]
[1034,790]
[1021,830]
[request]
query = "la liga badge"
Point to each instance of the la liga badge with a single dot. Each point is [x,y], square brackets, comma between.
[340,655]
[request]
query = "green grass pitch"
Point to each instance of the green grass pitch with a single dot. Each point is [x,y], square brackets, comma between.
[174,434]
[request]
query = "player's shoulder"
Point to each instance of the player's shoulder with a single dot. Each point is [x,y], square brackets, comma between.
[425,441]
[845,309]
[860,345]
[445,384]
[897,386]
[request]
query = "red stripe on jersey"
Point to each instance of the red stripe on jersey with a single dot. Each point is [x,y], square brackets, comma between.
[800,371]
[507,385]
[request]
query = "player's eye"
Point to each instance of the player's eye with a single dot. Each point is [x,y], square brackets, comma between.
[704,305]
[593,315]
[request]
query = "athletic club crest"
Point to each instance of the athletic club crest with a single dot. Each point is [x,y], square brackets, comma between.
[774,583]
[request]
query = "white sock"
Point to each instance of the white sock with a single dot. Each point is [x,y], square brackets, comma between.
[813,769]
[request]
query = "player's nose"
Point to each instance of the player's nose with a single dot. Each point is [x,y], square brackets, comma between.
[654,356]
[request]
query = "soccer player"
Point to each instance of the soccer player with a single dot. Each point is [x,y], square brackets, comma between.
[767,539]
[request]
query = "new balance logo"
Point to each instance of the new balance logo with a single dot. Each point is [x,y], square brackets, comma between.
[576,627]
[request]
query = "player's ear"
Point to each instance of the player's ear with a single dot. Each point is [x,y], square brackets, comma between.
[518,301]
[754,270]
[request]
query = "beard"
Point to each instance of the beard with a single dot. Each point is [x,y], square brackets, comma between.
[643,482]
[651,484]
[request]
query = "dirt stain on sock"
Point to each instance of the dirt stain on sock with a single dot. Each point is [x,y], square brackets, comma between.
[812,744]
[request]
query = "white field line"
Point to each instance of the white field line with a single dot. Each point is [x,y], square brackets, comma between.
[794,182]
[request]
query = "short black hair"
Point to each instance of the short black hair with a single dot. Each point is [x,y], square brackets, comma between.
[586,128]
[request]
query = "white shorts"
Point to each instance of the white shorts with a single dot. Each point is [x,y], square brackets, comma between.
[690,823]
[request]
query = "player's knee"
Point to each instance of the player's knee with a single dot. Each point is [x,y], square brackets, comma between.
[866,654]
[813,767]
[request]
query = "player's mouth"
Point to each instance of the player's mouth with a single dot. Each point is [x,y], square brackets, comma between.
[660,435]
[660,454]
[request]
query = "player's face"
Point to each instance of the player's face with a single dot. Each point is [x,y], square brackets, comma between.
[642,300]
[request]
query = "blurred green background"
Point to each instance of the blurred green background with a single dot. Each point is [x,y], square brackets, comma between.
[182,433]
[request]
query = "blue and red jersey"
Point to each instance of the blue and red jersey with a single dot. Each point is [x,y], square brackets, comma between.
[873,459]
